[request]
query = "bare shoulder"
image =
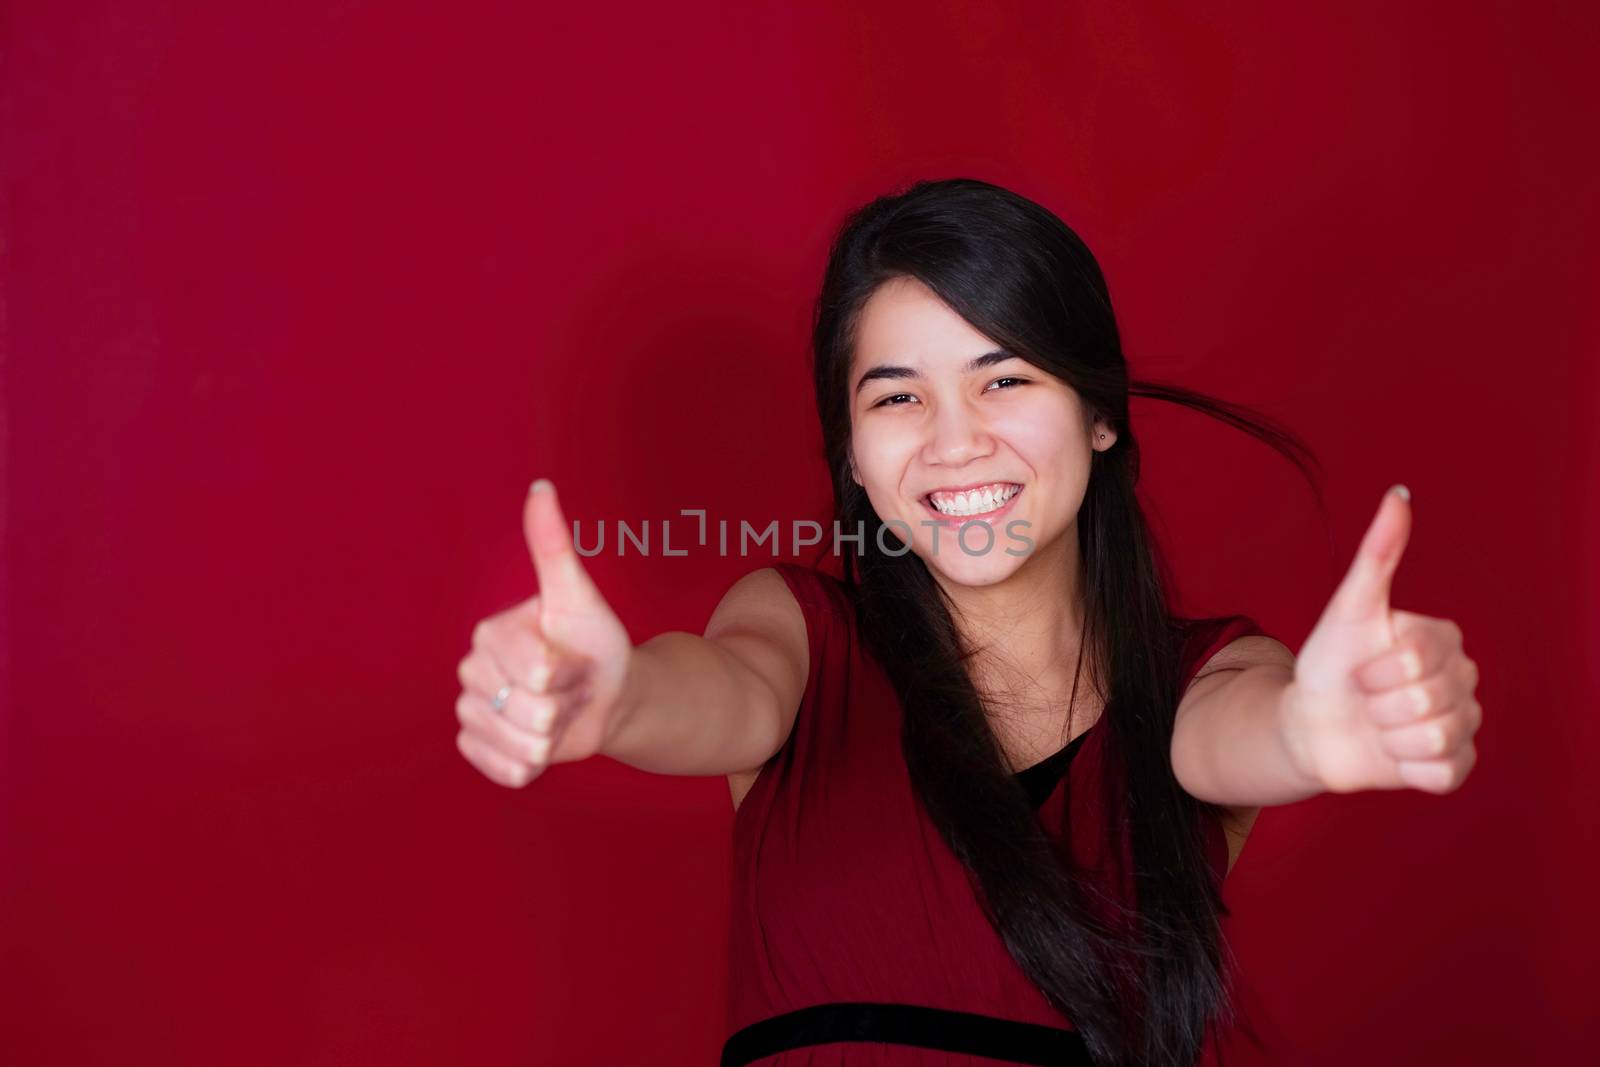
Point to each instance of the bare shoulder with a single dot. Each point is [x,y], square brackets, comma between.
[1243,652]
[760,599]
[761,624]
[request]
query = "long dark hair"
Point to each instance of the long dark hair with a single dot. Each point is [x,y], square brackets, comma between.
[1144,991]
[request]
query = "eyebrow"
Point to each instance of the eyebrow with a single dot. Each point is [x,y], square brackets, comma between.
[895,372]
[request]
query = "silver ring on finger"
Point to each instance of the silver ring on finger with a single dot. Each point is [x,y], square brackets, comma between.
[500,698]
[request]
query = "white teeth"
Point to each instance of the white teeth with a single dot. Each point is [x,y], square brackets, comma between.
[973,502]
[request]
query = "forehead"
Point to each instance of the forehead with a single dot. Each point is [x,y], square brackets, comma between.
[904,322]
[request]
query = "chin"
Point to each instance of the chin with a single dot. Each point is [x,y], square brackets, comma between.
[956,566]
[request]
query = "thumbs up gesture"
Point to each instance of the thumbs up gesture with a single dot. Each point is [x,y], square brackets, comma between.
[1382,699]
[544,677]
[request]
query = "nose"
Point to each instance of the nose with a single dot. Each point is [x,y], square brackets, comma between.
[956,436]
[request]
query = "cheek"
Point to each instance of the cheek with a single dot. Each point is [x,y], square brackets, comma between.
[1046,436]
[881,454]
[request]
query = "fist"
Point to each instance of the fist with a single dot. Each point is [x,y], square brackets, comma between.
[543,679]
[1382,699]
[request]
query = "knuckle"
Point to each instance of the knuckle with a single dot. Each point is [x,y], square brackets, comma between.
[1391,708]
[1441,691]
[471,748]
[482,632]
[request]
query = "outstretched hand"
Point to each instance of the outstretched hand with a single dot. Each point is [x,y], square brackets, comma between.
[1382,699]
[543,680]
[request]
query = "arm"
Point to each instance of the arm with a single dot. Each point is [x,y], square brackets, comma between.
[1376,699]
[719,703]
[1230,745]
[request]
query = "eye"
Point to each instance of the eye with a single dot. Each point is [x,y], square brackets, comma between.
[885,402]
[997,381]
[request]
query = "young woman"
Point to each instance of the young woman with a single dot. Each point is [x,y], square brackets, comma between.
[987,783]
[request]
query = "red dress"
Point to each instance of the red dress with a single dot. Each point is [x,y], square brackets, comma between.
[845,893]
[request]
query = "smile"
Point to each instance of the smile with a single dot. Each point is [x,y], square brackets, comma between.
[983,502]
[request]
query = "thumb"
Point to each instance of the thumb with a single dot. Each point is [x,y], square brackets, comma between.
[1364,593]
[563,583]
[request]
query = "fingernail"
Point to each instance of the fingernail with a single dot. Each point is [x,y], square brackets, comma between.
[538,677]
[1405,494]
[544,717]
[1420,704]
[538,484]
[1411,664]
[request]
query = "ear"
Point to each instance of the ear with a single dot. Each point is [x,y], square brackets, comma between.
[1103,436]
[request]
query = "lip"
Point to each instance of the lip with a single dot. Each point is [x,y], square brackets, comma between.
[990,517]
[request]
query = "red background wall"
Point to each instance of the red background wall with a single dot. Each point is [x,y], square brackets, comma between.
[299,298]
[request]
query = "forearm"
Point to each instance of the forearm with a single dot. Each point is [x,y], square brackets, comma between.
[689,706]
[1230,745]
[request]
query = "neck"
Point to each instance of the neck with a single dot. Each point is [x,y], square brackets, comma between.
[1028,629]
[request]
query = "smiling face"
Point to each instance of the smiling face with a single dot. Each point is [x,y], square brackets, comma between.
[953,437]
